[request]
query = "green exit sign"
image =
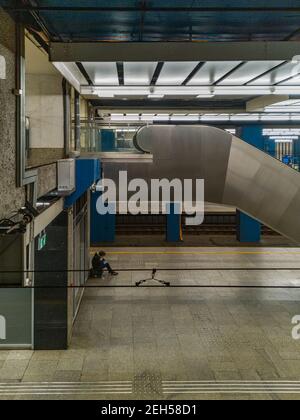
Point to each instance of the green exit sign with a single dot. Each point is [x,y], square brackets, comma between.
[42,241]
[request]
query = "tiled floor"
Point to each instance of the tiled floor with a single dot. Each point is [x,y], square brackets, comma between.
[164,342]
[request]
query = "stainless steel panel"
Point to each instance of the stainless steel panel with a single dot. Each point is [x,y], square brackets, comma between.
[235,173]
[264,188]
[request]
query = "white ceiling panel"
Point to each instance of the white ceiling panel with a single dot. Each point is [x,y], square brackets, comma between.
[174,74]
[278,75]
[249,71]
[211,72]
[139,73]
[105,74]
[295,81]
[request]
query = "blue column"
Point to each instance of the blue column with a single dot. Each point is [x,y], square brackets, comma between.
[174,232]
[249,229]
[103,227]
[108,140]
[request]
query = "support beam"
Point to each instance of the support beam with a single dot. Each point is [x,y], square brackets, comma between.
[148,9]
[259,104]
[173,51]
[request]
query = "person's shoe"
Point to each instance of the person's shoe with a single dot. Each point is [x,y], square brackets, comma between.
[114,273]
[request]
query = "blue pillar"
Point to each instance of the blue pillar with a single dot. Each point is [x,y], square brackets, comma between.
[108,140]
[103,227]
[174,232]
[249,229]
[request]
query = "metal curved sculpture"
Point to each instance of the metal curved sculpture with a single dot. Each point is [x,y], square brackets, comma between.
[235,173]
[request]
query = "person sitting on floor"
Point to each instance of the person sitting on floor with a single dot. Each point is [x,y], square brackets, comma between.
[105,265]
[96,270]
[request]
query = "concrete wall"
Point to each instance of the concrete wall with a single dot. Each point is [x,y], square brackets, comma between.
[12,198]
[47,179]
[44,107]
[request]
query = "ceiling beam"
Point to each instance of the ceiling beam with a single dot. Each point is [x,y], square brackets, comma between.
[259,104]
[120,70]
[193,73]
[232,71]
[265,73]
[84,73]
[149,9]
[173,51]
[156,74]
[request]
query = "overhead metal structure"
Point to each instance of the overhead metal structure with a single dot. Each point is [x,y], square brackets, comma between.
[154,20]
[179,44]
[191,81]
[174,51]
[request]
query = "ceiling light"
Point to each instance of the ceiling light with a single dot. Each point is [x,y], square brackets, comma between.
[156,96]
[106,95]
[206,95]
[296,59]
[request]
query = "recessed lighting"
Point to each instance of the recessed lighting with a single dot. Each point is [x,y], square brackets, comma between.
[296,59]
[206,95]
[106,95]
[156,96]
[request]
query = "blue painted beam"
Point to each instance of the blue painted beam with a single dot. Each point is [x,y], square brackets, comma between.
[88,172]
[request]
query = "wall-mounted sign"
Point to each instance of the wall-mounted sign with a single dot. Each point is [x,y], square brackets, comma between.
[42,240]
[2,67]
[282,135]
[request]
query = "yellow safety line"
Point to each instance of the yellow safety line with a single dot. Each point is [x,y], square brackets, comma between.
[198,252]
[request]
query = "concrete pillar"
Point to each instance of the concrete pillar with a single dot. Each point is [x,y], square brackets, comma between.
[174,232]
[12,198]
[249,229]
[51,304]
[103,228]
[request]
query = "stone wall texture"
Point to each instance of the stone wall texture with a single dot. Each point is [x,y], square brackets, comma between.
[47,179]
[11,198]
